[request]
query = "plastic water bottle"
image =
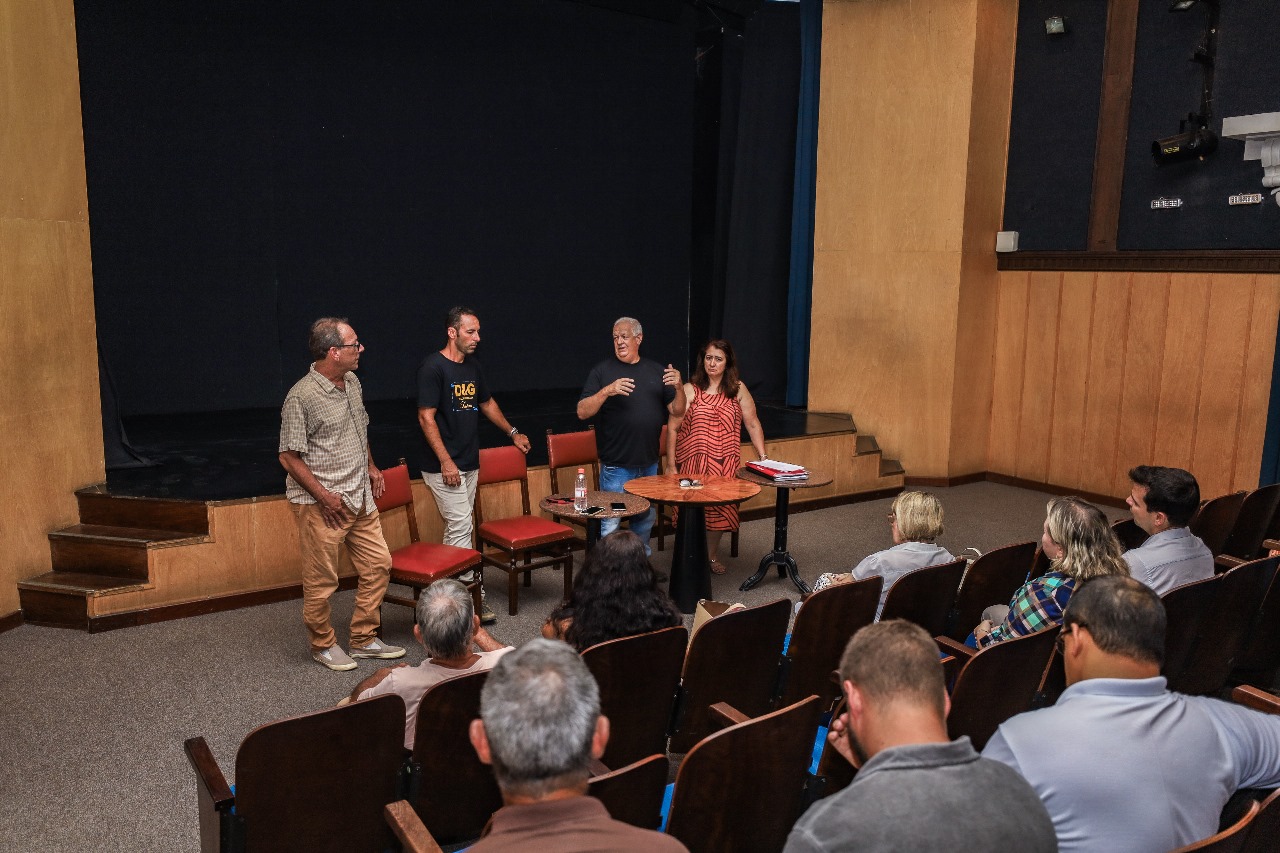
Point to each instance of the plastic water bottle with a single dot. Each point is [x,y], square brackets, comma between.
[580,491]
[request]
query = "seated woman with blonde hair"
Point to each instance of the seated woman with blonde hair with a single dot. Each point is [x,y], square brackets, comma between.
[915,521]
[1080,544]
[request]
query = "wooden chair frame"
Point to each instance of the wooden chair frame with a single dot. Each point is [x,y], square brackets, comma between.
[822,628]
[399,493]
[776,745]
[908,591]
[506,461]
[285,771]
[573,450]
[639,678]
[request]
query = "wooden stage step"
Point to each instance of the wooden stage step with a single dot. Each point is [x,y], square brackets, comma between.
[113,551]
[63,599]
[97,506]
[82,583]
[126,537]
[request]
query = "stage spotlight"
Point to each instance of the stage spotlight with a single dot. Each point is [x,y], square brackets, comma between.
[1182,5]
[1188,145]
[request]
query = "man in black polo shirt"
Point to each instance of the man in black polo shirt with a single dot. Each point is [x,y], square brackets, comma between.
[452,393]
[630,397]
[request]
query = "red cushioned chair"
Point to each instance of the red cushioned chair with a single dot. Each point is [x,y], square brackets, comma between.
[533,539]
[420,564]
[573,450]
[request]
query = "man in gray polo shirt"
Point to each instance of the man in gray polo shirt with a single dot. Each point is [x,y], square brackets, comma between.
[917,789]
[331,483]
[1162,501]
[1120,762]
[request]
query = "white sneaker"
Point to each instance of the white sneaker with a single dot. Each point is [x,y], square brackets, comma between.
[376,649]
[335,658]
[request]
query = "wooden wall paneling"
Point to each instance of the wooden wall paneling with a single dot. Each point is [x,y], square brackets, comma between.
[1144,364]
[51,411]
[1099,434]
[973,365]
[1039,375]
[875,355]
[1222,374]
[1181,372]
[42,148]
[1255,387]
[51,415]
[881,269]
[1071,378]
[896,78]
[276,560]
[211,570]
[991,97]
[1007,372]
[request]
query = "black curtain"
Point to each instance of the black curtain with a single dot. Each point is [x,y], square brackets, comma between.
[744,259]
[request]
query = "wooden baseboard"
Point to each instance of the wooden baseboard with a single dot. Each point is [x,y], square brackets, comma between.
[11,621]
[134,618]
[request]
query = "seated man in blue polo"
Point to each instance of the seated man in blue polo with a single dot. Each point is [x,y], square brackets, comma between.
[1120,761]
[630,397]
[1162,501]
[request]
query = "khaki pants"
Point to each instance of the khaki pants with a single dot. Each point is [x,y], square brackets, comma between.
[321,546]
[455,504]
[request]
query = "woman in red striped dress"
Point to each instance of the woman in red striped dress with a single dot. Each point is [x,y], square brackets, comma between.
[709,434]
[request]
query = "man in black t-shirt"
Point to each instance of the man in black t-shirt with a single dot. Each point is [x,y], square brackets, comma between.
[452,393]
[630,398]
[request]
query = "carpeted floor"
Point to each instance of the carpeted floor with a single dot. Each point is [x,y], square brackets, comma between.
[91,750]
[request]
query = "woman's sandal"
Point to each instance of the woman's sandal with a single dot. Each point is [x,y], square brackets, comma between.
[718,568]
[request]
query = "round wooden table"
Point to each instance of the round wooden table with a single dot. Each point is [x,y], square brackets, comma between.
[780,557]
[634,506]
[690,565]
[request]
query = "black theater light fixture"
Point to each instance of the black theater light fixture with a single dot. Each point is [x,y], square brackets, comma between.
[1194,140]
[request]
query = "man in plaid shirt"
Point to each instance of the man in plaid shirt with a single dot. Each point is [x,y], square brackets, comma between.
[331,484]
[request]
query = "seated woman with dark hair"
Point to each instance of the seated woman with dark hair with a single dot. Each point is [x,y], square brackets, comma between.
[615,595]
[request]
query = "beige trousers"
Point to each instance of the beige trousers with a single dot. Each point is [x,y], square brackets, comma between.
[321,545]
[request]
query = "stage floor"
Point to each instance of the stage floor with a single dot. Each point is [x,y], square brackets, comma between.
[232,455]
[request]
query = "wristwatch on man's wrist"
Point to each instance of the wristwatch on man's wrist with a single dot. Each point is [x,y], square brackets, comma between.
[513,432]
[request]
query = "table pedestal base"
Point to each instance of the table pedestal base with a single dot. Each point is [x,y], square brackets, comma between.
[690,565]
[779,557]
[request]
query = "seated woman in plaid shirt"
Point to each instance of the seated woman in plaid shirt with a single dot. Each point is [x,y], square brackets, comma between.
[1080,545]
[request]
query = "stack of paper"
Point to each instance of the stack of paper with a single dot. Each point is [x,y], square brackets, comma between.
[780,472]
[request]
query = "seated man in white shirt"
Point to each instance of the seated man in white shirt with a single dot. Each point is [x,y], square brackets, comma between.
[1162,501]
[447,626]
[1121,762]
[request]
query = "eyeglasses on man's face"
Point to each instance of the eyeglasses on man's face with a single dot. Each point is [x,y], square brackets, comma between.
[1060,643]
[355,344]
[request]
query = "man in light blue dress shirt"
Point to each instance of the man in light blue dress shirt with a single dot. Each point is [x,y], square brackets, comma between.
[1120,762]
[1162,501]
